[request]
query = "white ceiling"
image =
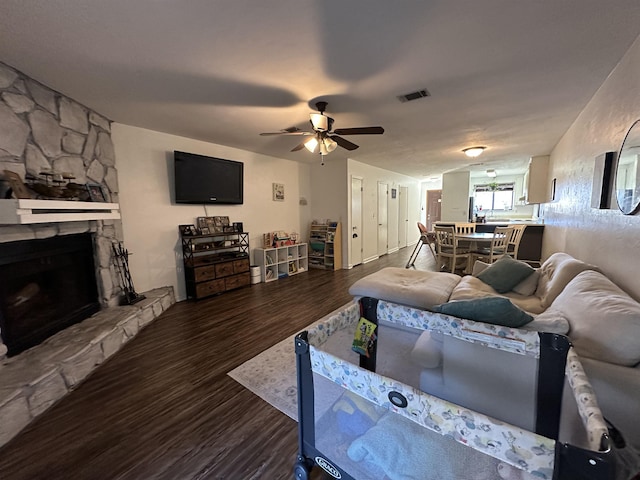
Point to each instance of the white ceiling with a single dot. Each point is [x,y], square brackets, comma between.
[511,75]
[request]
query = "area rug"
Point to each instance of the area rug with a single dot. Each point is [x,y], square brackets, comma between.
[272,374]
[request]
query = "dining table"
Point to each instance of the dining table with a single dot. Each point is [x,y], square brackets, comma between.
[475,236]
[471,241]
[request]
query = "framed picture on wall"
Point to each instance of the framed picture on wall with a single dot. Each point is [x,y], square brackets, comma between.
[278,192]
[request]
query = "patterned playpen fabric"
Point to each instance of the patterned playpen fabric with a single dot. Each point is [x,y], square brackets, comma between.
[523,449]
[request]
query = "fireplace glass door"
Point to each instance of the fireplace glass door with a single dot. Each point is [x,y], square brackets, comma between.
[46,285]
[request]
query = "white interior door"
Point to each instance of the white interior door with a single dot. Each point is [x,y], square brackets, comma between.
[383,192]
[403,217]
[356,221]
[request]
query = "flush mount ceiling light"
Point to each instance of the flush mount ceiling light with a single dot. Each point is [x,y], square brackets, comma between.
[473,151]
[491,173]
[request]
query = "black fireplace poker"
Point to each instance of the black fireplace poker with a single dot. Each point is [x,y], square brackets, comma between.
[122,265]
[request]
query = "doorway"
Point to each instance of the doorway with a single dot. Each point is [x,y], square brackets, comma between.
[383,191]
[434,208]
[403,217]
[356,221]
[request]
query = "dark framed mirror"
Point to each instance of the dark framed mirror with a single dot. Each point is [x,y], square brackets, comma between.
[628,172]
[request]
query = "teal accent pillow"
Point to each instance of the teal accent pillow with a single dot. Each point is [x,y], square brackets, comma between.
[494,310]
[505,274]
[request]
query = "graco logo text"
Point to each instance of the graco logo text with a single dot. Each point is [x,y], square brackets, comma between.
[327,467]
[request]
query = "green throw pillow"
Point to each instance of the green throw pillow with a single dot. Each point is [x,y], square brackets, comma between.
[505,274]
[495,310]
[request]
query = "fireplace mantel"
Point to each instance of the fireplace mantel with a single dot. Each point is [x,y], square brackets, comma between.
[27,211]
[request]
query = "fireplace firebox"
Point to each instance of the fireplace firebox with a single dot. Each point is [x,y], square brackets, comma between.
[46,285]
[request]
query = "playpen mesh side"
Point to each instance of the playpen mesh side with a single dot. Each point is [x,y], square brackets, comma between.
[436,423]
[342,389]
[370,442]
[512,340]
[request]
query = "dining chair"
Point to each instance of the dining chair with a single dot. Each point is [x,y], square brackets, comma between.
[496,249]
[426,238]
[448,251]
[465,227]
[513,244]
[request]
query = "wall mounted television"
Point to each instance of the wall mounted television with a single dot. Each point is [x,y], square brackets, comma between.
[207,180]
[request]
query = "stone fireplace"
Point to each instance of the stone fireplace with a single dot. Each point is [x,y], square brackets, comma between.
[52,349]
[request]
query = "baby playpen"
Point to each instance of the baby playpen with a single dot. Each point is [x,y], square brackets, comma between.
[496,402]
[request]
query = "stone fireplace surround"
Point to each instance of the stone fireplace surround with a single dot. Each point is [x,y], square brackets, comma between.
[41,129]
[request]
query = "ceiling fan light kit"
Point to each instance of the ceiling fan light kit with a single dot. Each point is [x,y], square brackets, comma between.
[311,144]
[323,140]
[319,122]
[473,151]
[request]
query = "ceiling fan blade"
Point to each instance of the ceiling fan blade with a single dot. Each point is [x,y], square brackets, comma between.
[359,131]
[298,147]
[344,143]
[266,134]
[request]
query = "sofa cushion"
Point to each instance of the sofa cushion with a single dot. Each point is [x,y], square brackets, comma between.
[470,287]
[604,320]
[551,320]
[529,285]
[505,274]
[555,273]
[495,310]
[415,288]
[526,287]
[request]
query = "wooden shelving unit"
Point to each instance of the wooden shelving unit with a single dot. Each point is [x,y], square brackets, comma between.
[281,262]
[215,263]
[325,246]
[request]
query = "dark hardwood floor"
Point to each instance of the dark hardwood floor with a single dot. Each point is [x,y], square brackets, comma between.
[164,407]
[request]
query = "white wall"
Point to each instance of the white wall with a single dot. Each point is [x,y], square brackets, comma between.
[602,237]
[144,159]
[371,176]
[455,197]
[329,190]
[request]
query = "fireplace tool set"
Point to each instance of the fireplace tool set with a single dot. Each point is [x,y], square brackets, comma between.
[122,264]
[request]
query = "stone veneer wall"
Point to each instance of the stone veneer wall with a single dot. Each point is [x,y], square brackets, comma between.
[41,129]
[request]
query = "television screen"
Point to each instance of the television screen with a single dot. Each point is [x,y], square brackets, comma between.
[201,179]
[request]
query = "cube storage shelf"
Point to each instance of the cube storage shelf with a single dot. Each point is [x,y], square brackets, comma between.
[281,262]
[215,263]
[325,246]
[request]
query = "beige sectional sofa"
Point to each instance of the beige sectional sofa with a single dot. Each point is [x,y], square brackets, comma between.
[564,295]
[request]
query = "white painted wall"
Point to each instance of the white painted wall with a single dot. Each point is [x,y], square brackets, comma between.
[144,160]
[602,237]
[371,176]
[329,189]
[455,197]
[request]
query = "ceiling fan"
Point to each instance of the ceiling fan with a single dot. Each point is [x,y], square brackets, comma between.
[323,140]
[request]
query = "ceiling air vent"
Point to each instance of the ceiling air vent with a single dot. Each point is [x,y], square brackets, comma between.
[414,95]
